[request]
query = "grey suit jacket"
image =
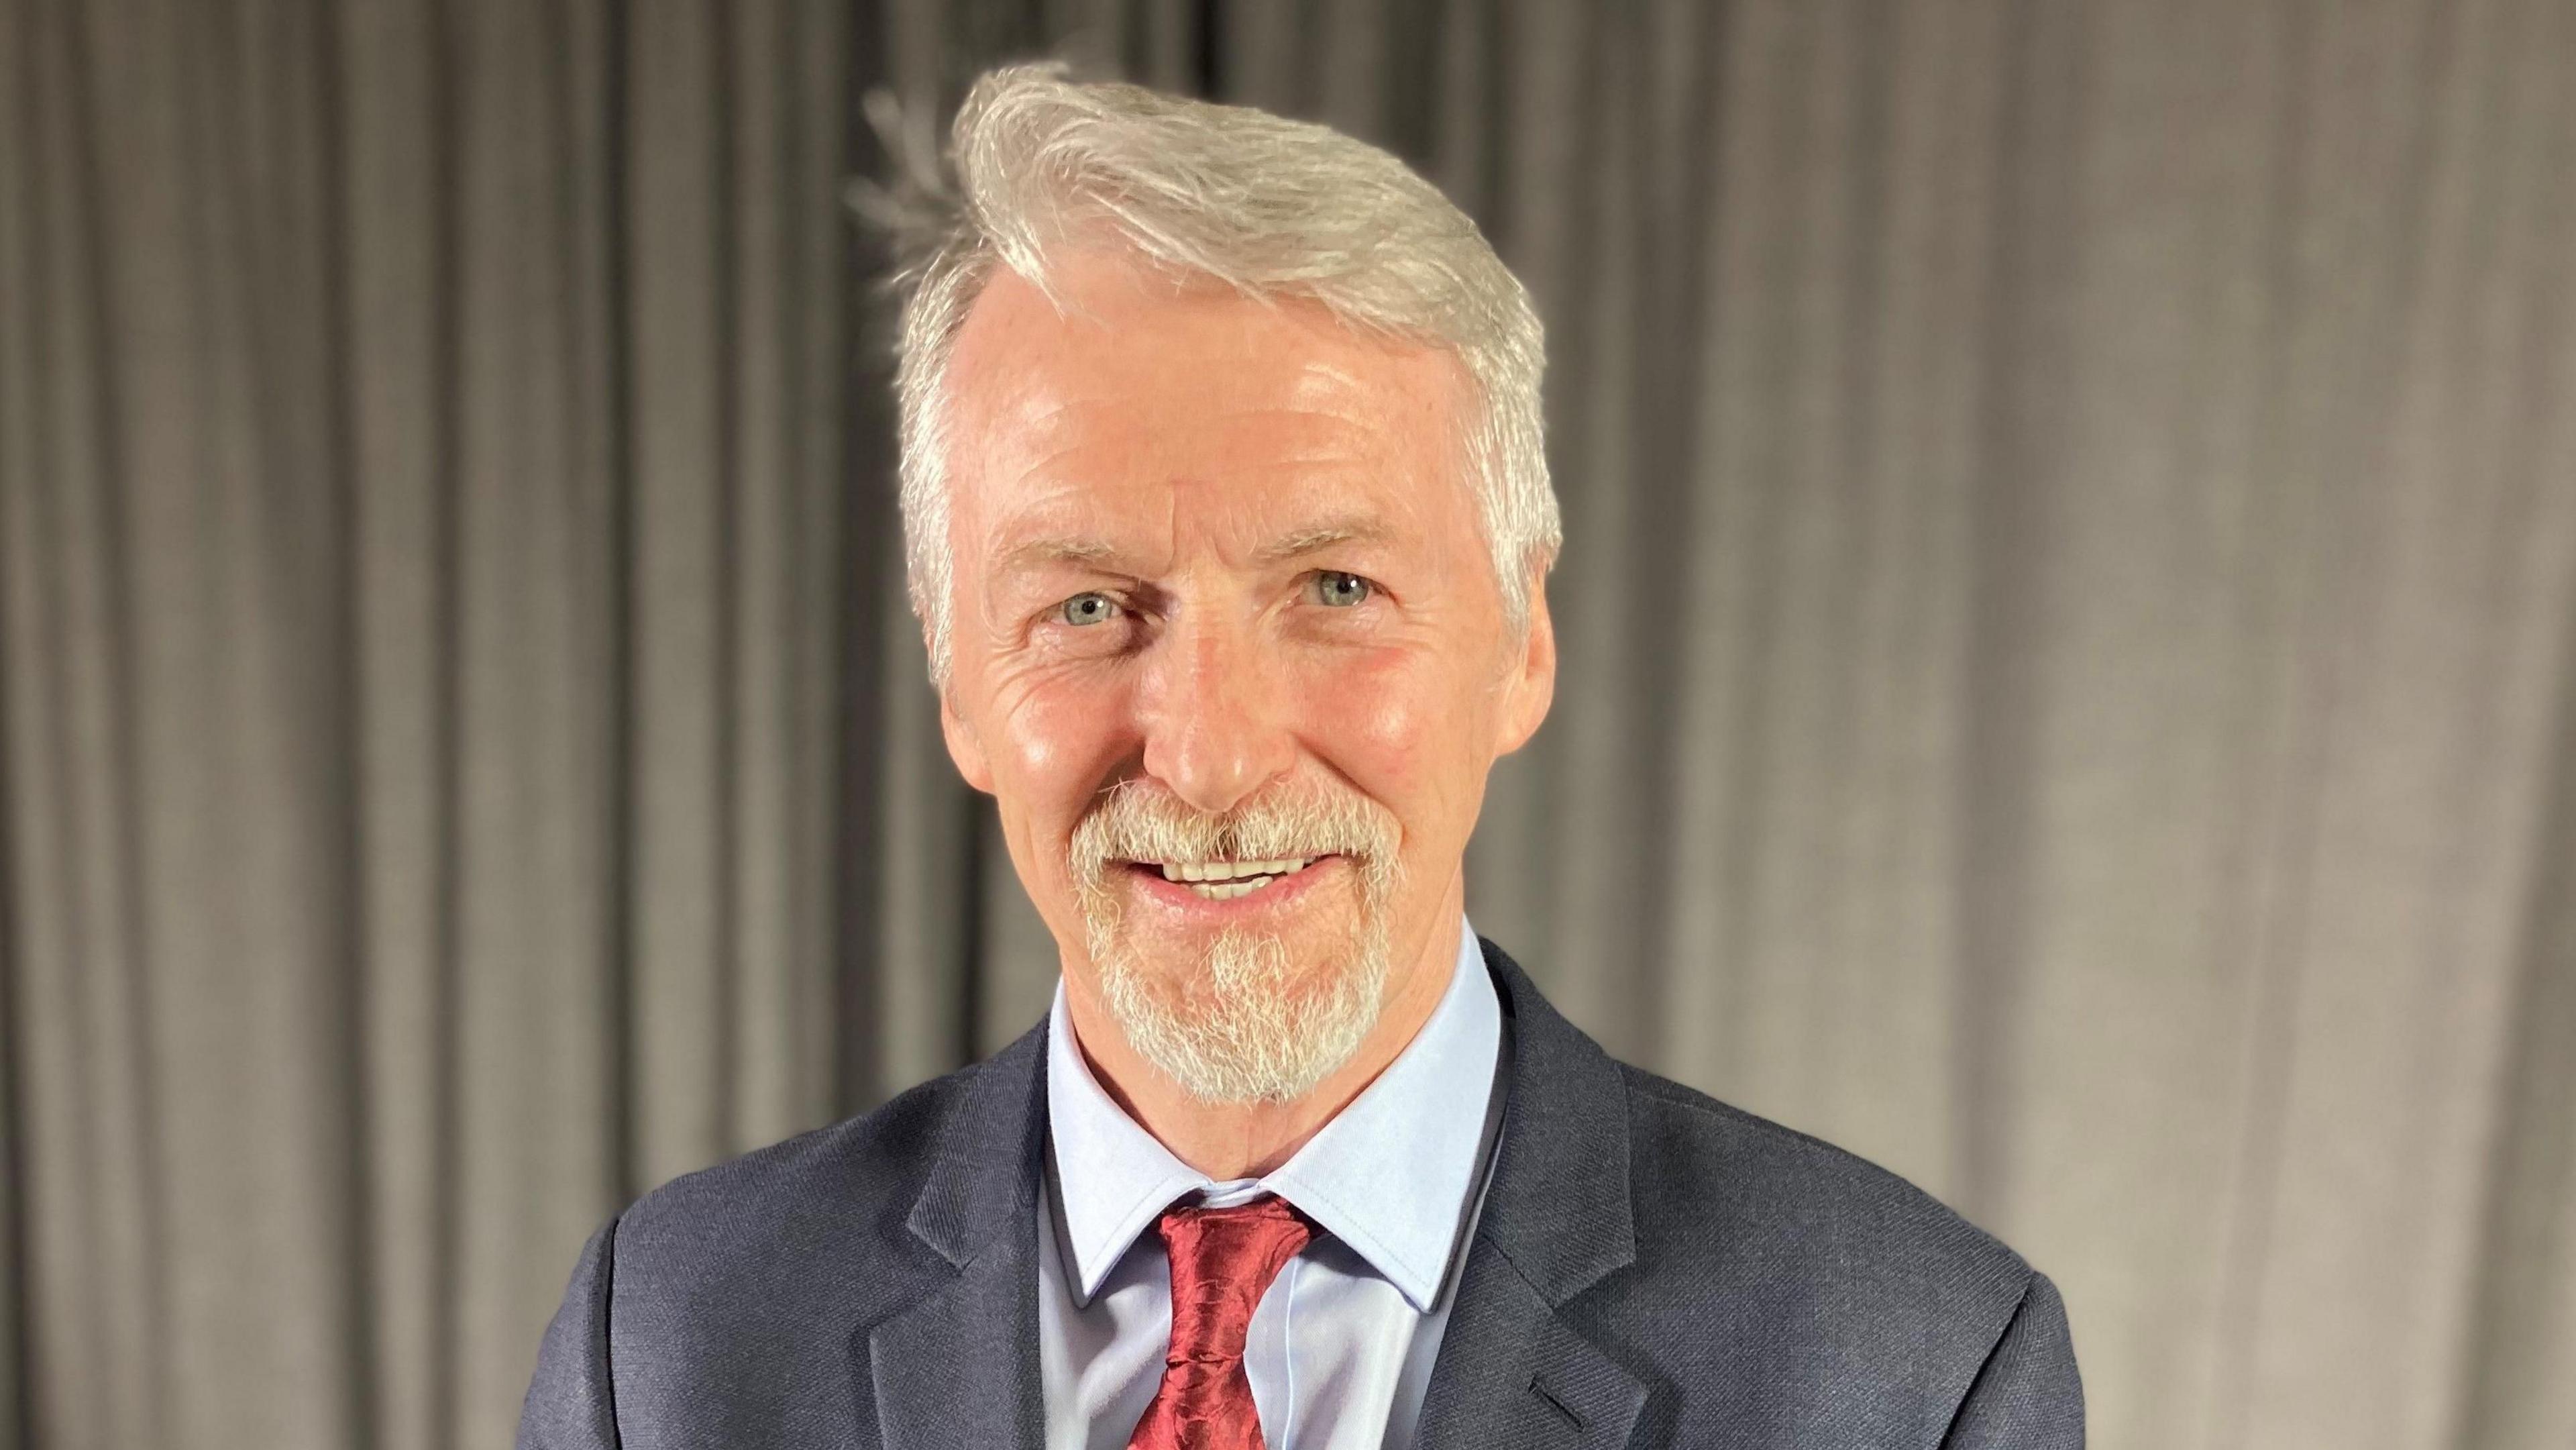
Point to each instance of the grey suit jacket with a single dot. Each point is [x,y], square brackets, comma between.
[1651,1268]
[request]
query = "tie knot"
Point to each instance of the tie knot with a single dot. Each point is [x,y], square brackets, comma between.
[1223,1261]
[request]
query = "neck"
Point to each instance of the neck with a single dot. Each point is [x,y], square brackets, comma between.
[1245,1140]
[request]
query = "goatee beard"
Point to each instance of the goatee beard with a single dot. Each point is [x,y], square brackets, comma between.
[1245,1023]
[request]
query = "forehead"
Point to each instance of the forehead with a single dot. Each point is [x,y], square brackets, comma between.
[1140,390]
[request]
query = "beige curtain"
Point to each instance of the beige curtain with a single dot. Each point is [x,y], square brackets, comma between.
[2069,625]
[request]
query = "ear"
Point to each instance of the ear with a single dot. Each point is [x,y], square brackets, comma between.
[1530,686]
[963,747]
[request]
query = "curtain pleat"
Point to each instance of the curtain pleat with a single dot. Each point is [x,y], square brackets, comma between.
[2068,627]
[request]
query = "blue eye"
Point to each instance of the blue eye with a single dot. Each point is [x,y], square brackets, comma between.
[1087,608]
[1337,590]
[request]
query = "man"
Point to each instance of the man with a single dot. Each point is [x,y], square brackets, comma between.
[1228,521]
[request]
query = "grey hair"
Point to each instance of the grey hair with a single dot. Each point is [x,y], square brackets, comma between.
[1269,206]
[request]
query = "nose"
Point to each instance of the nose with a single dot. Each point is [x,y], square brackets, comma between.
[1214,712]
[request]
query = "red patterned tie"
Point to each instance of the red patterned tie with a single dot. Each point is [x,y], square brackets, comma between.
[1223,1260]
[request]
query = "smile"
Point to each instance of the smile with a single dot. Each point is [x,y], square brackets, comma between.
[1226,880]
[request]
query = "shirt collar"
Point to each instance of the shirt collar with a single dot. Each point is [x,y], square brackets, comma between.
[1391,1175]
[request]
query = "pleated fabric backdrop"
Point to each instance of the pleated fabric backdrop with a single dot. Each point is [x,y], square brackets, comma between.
[2069,631]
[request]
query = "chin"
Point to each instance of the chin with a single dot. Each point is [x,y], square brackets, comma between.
[1244,1015]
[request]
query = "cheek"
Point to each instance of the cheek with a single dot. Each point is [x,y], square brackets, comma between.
[1402,726]
[1060,737]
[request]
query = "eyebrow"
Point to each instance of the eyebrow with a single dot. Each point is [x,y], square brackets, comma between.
[1089,552]
[1099,553]
[1322,536]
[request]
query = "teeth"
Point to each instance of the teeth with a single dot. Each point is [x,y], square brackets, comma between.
[1226,880]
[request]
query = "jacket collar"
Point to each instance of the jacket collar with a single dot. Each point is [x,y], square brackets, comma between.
[1557,1219]
[958,1368]
[1514,1369]
[1559,1206]
[985,1172]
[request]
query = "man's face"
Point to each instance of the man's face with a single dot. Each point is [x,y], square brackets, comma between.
[1223,608]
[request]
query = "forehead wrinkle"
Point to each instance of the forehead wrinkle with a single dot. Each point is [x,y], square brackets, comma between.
[1324,407]
[1042,467]
[1068,427]
[1077,425]
[1133,462]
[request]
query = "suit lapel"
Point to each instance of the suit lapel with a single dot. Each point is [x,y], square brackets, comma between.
[1513,1375]
[958,1368]
[1514,1370]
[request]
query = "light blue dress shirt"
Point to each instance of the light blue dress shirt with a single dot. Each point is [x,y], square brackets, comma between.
[1342,1345]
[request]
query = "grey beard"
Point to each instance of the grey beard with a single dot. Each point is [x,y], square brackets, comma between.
[1243,1025]
[1241,1029]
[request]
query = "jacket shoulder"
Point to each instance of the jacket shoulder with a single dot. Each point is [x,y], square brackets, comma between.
[1717,1190]
[1823,1293]
[753,1232]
